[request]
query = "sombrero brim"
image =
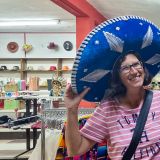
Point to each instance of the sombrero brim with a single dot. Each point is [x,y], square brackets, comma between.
[104,44]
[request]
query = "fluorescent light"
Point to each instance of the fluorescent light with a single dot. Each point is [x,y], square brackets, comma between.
[29,22]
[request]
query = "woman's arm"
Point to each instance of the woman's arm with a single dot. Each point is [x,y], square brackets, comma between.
[76,143]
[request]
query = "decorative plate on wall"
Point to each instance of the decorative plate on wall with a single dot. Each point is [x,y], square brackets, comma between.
[12,47]
[68,46]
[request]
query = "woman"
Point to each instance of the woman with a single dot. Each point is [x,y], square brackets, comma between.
[116,116]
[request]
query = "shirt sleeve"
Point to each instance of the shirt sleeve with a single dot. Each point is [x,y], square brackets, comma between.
[95,128]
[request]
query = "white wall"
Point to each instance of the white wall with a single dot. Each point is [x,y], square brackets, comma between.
[39,41]
[36,57]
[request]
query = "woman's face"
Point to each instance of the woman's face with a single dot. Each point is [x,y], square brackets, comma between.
[132,72]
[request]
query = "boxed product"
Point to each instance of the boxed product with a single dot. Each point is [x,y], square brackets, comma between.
[21,85]
[11,87]
[1,103]
[11,104]
[33,83]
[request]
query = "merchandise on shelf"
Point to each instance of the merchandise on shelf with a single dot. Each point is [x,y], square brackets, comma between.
[11,87]
[11,104]
[21,85]
[33,83]
[22,68]
[1,103]
[58,85]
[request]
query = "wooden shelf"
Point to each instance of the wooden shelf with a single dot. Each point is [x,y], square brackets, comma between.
[24,63]
[9,71]
[13,111]
[65,70]
[40,71]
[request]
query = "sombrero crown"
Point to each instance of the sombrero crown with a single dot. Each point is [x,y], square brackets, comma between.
[104,44]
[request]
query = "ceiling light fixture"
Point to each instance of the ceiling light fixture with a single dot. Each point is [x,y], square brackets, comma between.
[29,22]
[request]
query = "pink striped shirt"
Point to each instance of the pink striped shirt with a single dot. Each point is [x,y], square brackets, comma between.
[116,124]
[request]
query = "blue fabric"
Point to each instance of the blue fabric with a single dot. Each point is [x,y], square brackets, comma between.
[104,44]
[102,151]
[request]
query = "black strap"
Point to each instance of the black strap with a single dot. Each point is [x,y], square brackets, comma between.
[139,126]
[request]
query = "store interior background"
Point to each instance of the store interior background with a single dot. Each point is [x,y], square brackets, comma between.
[46,9]
[76,19]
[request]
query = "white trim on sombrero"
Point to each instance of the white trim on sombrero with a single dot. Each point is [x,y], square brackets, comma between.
[104,23]
[73,76]
[96,30]
[90,36]
[81,48]
[77,60]
[74,72]
[115,43]
[101,26]
[87,38]
[153,60]
[125,18]
[110,22]
[83,45]
[78,57]
[76,65]
[73,84]
[74,69]
[74,87]
[85,42]
[93,33]
[148,38]
[79,53]
[95,75]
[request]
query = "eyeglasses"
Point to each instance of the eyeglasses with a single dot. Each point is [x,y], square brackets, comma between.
[127,68]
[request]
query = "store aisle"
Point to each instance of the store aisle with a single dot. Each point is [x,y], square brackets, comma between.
[9,149]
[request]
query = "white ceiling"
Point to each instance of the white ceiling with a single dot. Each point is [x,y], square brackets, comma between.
[22,9]
[36,9]
[149,9]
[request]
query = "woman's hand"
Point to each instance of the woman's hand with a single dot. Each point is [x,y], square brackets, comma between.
[71,99]
[72,133]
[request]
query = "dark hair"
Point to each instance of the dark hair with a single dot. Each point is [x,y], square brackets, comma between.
[117,88]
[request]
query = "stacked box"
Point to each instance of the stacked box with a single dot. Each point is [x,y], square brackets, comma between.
[11,104]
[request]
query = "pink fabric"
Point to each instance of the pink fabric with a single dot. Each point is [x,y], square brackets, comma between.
[76,158]
[116,123]
[23,85]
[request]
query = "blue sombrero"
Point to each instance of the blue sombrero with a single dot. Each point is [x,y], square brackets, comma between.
[104,44]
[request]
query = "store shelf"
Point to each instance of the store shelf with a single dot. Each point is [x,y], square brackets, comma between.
[40,71]
[24,63]
[9,71]
[7,111]
[12,110]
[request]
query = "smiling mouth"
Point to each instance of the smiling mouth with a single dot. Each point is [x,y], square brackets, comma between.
[133,78]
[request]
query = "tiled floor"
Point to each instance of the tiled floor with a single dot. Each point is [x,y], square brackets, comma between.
[13,143]
[10,149]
